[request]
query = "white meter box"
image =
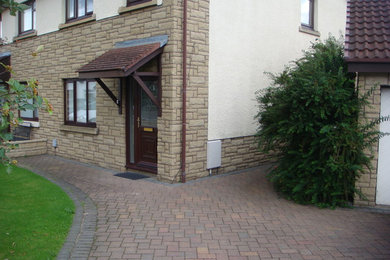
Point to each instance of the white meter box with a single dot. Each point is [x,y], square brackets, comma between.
[214,154]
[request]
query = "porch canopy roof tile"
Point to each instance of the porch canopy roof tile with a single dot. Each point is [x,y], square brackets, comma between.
[367,40]
[124,59]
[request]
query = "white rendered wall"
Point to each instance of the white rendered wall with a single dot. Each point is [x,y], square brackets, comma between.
[49,13]
[248,38]
[104,8]
[10,26]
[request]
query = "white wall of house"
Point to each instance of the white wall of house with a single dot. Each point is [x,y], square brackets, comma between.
[248,38]
[49,15]
[104,8]
[9,25]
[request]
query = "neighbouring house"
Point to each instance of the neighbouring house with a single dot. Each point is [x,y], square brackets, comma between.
[165,86]
[367,52]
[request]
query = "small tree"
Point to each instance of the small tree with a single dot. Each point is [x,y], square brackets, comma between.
[309,119]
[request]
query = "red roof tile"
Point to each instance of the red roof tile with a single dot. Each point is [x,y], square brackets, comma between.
[368,31]
[120,60]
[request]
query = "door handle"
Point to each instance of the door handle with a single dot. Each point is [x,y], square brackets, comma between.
[138,122]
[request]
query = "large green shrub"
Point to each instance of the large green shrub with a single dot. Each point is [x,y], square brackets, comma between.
[309,119]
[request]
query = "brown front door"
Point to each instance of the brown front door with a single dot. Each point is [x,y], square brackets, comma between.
[143,126]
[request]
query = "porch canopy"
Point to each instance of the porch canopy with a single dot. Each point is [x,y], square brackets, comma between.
[123,61]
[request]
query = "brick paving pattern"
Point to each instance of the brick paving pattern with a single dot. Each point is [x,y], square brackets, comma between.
[228,217]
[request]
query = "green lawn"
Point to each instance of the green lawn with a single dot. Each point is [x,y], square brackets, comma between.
[35,216]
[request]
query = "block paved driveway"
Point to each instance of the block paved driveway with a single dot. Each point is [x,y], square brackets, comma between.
[236,216]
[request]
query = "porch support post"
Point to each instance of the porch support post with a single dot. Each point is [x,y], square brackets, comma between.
[122,82]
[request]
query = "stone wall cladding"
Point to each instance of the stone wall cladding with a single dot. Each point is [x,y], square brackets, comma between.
[197,95]
[67,50]
[367,182]
[241,153]
[197,88]
[28,148]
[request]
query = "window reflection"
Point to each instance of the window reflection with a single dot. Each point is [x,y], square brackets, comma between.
[80,102]
[307,16]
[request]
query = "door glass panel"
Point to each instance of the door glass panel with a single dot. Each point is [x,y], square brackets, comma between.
[82,101]
[149,111]
[131,120]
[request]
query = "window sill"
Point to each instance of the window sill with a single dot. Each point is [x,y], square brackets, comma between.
[80,129]
[126,9]
[77,22]
[25,36]
[27,123]
[310,31]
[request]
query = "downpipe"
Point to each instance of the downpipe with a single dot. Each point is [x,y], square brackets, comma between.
[184,97]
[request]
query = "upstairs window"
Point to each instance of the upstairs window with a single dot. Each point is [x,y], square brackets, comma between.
[27,18]
[80,102]
[134,2]
[78,9]
[307,13]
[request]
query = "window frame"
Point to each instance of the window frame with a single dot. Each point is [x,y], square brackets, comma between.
[76,11]
[1,28]
[1,104]
[32,4]
[311,16]
[35,117]
[136,2]
[74,122]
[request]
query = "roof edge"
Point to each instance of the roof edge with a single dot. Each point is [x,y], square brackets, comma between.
[162,39]
[369,67]
[367,60]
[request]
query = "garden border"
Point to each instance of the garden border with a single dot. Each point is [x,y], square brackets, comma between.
[79,241]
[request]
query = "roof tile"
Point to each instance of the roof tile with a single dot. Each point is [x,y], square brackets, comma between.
[368,31]
[121,59]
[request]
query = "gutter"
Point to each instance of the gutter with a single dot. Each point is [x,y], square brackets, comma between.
[184,98]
